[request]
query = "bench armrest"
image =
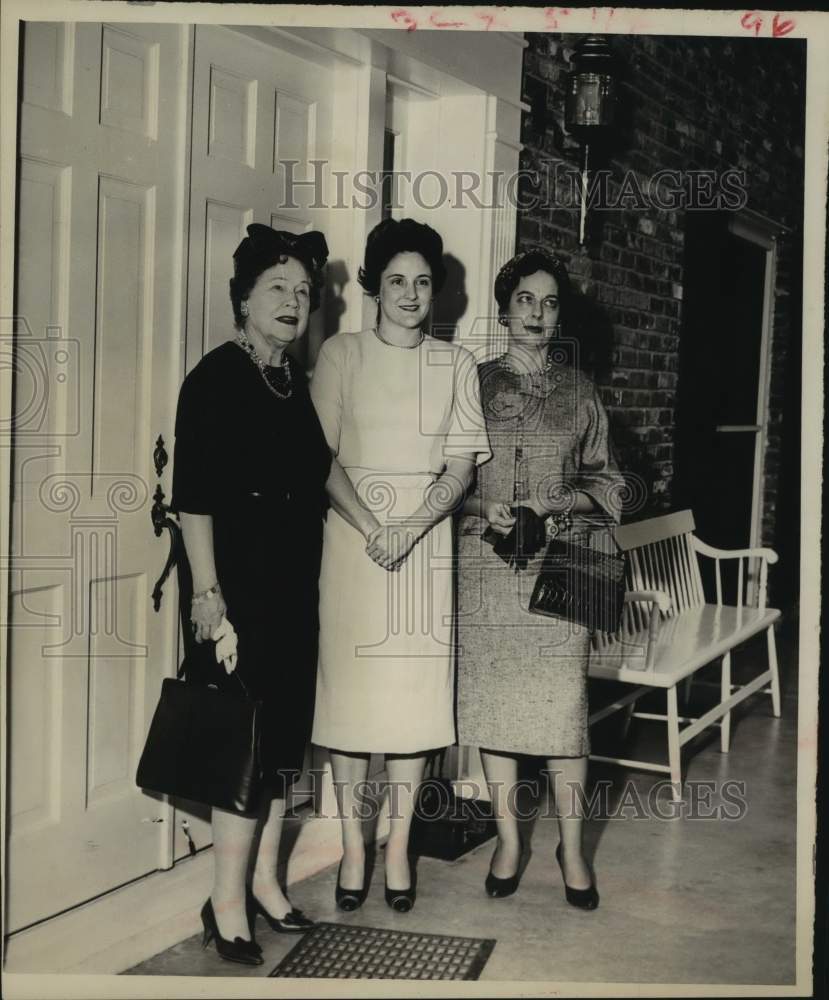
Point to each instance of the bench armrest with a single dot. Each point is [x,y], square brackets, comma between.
[658,597]
[663,602]
[766,554]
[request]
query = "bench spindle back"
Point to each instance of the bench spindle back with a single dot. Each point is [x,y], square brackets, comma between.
[660,556]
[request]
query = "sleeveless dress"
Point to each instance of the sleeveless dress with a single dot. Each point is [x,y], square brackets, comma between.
[522,678]
[392,416]
[258,465]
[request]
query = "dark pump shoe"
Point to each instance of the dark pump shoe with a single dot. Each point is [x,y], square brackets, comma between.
[498,888]
[294,921]
[237,950]
[400,900]
[584,899]
[350,899]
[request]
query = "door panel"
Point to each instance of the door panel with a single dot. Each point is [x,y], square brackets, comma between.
[224,228]
[123,344]
[97,365]
[253,108]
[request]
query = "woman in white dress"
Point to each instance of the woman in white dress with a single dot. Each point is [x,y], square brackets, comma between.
[401,413]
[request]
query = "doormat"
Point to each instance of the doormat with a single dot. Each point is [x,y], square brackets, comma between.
[346,951]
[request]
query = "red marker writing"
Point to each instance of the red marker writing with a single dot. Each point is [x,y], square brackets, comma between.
[404,17]
[780,28]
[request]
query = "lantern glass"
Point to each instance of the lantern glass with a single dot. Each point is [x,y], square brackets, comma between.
[590,99]
[591,89]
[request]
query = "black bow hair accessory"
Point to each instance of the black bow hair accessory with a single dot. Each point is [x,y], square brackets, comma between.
[263,241]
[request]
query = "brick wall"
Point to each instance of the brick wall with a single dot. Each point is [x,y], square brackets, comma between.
[684,104]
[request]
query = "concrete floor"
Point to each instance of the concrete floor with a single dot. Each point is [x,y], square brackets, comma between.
[683,900]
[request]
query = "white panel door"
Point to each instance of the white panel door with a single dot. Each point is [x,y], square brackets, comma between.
[97,366]
[260,115]
[255,108]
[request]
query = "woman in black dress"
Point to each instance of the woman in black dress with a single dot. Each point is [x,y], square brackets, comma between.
[251,465]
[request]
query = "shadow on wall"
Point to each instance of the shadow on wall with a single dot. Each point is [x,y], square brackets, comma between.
[337,278]
[452,302]
[591,327]
[328,319]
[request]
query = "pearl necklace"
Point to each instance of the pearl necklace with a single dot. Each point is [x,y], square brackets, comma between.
[403,347]
[544,370]
[284,365]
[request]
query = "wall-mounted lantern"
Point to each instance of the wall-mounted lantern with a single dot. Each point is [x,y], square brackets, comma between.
[590,103]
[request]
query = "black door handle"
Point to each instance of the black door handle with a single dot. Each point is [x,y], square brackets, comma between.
[161,519]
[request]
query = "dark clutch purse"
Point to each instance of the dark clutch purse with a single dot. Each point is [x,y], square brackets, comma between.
[203,745]
[581,585]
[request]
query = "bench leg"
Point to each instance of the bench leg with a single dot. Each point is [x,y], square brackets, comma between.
[725,692]
[629,710]
[686,689]
[775,677]
[674,760]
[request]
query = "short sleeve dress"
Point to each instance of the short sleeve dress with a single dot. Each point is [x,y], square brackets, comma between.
[392,416]
[258,465]
[522,678]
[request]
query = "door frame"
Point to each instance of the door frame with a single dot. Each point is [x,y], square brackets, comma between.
[8,202]
[764,233]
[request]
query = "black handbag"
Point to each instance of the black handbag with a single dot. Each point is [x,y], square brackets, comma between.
[203,744]
[444,825]
[581,584]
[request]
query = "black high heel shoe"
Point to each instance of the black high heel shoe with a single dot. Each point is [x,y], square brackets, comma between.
[294,921]
[584,899]
[350,899]
[499,888]
[237,950]
[401,900]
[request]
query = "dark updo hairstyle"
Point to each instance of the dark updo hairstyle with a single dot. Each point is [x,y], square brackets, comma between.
[389,238]
[264,247]
[524,264]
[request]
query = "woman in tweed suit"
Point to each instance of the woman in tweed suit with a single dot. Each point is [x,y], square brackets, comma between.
[522,679]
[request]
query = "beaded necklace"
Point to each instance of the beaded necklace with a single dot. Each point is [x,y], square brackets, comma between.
[268,371]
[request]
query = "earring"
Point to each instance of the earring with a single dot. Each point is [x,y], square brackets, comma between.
[377,299]
[503,321]
[243,309]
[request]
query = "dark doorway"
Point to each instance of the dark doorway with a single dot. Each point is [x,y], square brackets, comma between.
[721,408]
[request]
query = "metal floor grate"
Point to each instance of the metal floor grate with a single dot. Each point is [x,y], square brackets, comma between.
[340,951]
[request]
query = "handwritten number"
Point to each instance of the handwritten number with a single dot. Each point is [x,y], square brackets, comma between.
[752,21]
[551,15]
[404,17]
[780,28]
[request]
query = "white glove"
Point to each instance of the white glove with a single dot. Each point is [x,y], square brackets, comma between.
[224,635]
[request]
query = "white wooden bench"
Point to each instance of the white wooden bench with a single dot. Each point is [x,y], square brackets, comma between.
[668,632]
